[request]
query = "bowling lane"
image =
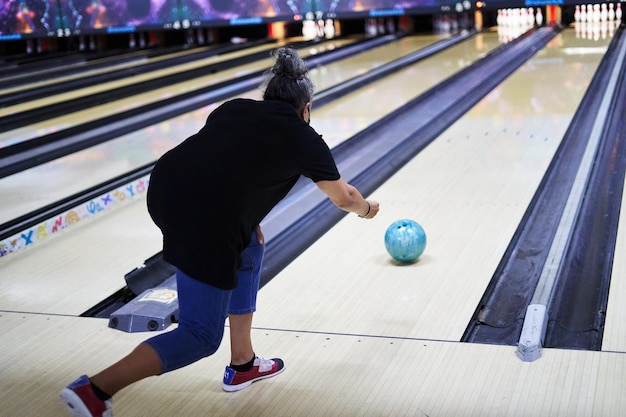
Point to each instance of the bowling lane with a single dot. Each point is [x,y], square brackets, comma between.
[65,176]
[102,87]
[348,115]
[44,81]
[107,247]
[119,106]
[469,189]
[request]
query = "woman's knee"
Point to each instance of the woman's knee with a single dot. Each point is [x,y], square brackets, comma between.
[208,343]
[182,347]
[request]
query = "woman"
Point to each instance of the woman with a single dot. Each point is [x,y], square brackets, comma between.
[208,196]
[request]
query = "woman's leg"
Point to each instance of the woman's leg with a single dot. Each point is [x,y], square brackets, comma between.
[241,350]
[202,315]
[141,363]
[243,302]
[245,367]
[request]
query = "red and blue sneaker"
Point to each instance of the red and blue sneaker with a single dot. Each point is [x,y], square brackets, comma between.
[262,368]
[81,401]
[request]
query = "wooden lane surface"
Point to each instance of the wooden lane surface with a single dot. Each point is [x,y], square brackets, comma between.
[128,81]
[325,375]
[44,80]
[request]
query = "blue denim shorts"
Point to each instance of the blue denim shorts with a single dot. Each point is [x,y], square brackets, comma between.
[203,310]
[243,298]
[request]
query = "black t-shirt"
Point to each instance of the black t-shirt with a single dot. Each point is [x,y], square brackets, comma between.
[209,193]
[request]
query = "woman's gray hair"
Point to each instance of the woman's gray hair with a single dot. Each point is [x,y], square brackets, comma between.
[287,80]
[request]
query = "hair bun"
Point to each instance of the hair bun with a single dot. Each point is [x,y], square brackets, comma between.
[289,64]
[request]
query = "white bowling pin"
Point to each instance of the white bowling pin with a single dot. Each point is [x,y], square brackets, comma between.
[319,28]
[308,29]
[583,13]
[329,29]
[517,17]
[604,13]
[611,13]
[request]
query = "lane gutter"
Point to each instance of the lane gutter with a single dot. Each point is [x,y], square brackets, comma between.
[577,311]
[513,310]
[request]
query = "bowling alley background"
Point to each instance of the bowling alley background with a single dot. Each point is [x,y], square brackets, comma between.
[68,17]
[41,26]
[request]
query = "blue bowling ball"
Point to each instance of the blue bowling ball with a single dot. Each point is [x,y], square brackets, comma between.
[405,240]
